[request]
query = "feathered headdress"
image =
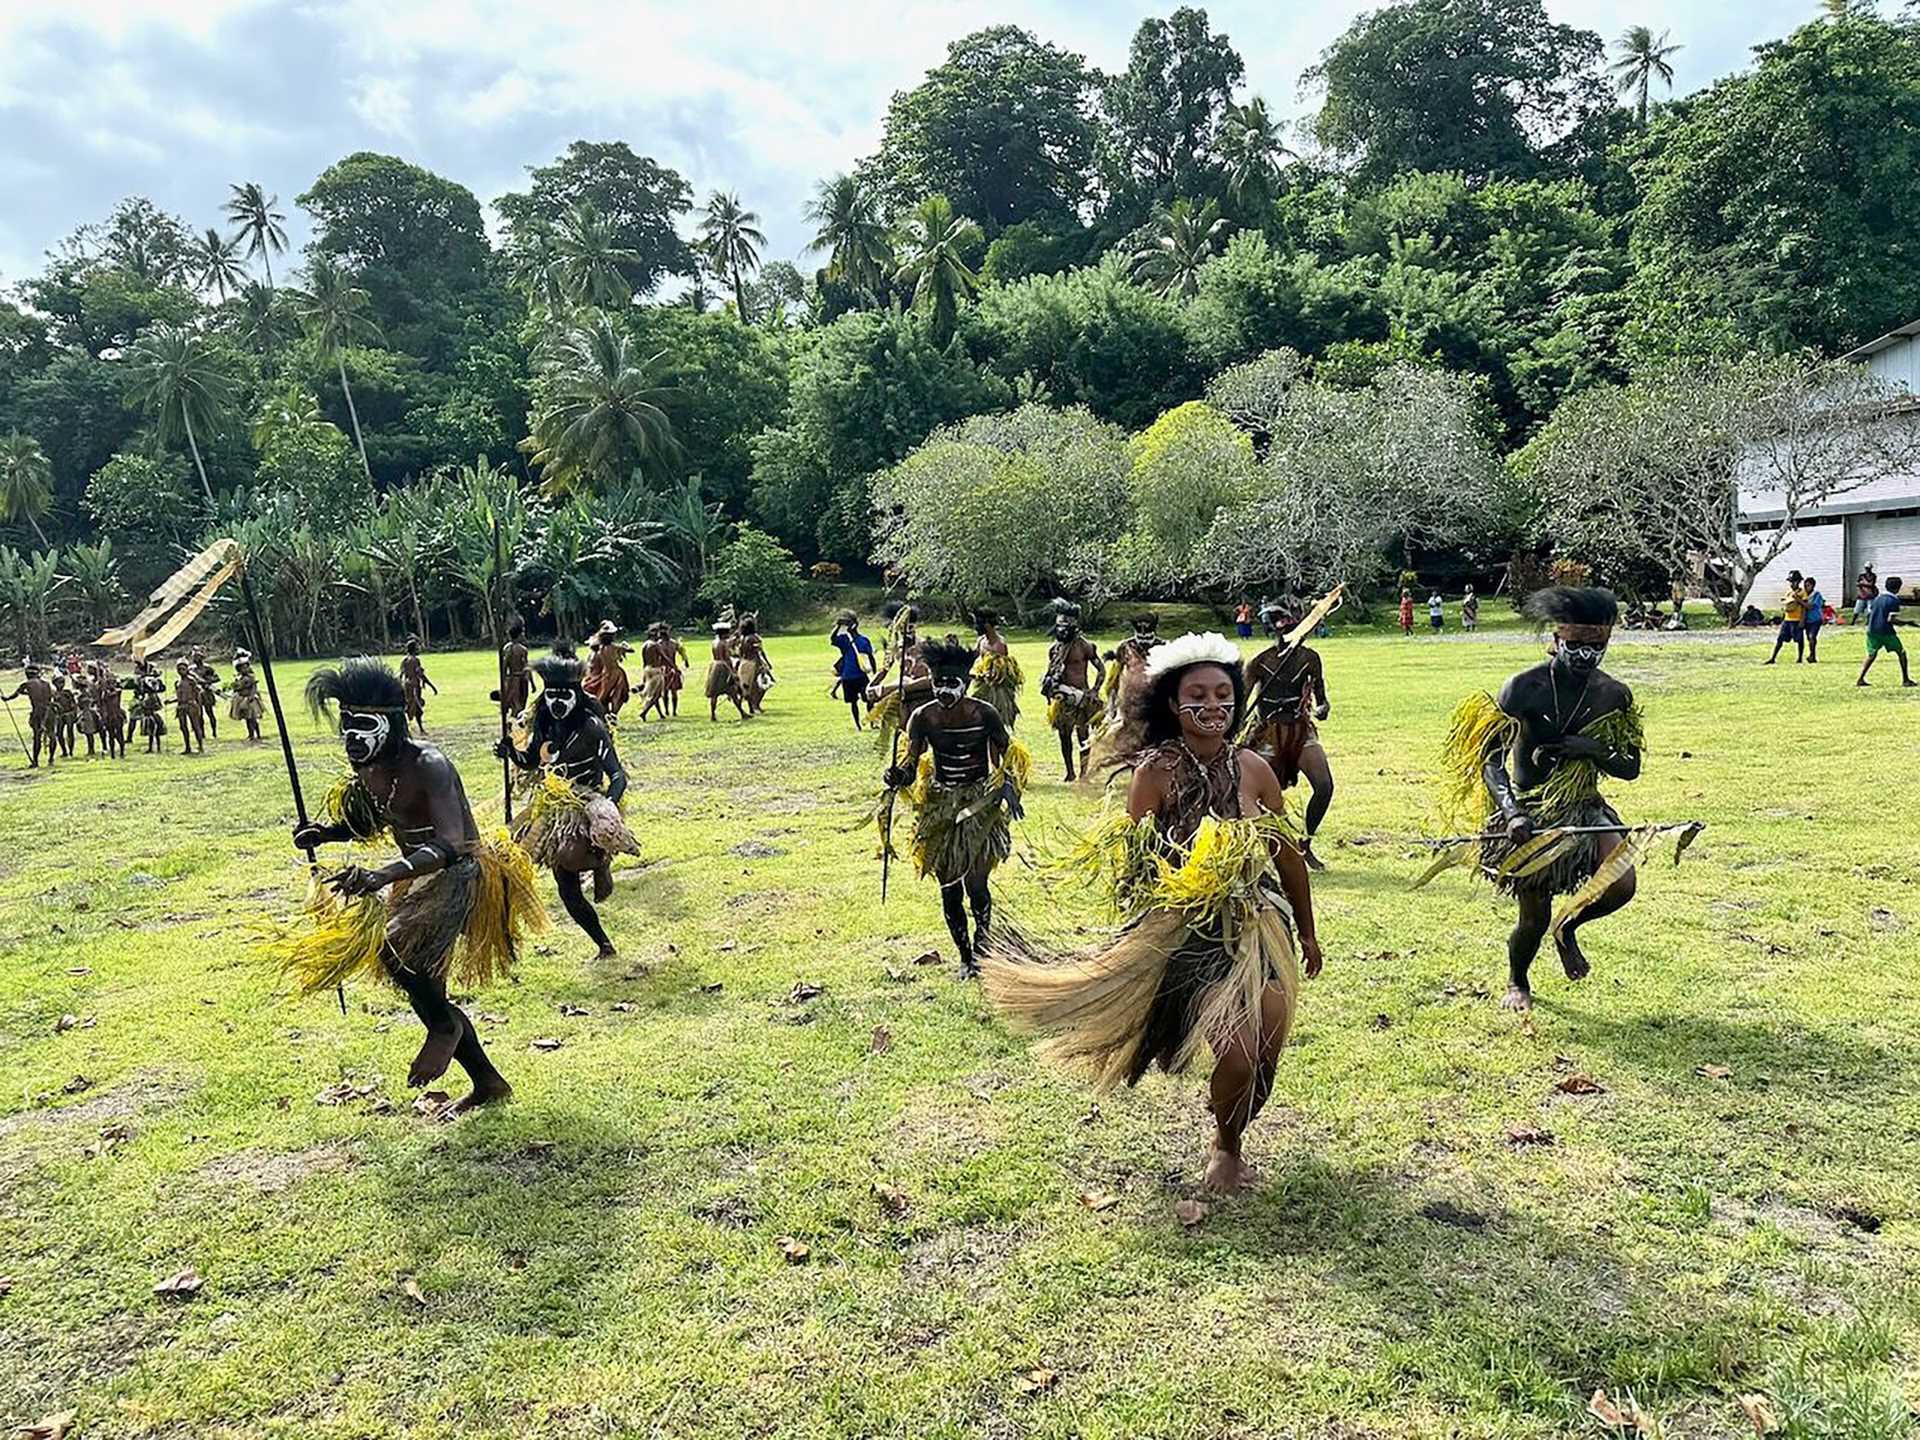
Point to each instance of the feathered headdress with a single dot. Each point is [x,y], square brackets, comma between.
[947,657]
[1573,605]
[566,671]
[358,684]
[1208,649]
[1146,620]
[1064,609]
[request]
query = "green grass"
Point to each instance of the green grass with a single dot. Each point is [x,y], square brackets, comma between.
[601,1257]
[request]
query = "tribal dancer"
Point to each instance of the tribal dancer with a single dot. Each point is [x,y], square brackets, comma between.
[606,677]
[66,713]
[1289,687]
[150,703]
[888,715]
[457,901]
[753,671]
[110,709]
[245,705]
[516,686]
[678,663]
[39,713]
[208,679]
[1530,762]
[188,713]
[1204,873]
[1120,737]
[996,674]
[415,684]
[572,824]
[656,659]
[721,680]
[87,693]
[965,795]
[1072,695]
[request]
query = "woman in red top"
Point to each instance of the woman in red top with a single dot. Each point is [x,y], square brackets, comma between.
[1406,612]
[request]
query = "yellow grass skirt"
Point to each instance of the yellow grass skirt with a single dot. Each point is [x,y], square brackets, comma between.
[460,924]
[1210,935]
[997,681]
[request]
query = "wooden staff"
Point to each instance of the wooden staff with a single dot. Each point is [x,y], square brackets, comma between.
[500,650]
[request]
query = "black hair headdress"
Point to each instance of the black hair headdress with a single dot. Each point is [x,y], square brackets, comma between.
[1573,605]
[950,656]
[362,683]
[563,670]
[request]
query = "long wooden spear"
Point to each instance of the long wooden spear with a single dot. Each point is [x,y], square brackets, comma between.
[502,599]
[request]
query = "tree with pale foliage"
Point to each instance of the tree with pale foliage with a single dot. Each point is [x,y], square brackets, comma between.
[1186,468]
[1251,146]
[1001,507]
[1354,478]
[1662,470]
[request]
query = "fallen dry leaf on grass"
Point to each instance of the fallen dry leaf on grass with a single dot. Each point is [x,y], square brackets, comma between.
[341,1091]
[181,1284]
[65,1023]
[410,1288]
[572,1009]
[1714,1072]
[77,1084]
[430,1102]
[1098,1200]
[79,970]
[546,1042]
[624,1007]
[796,1251]
[1036,1381]
[882,1041]
[893,1201]
[711,988]
[1579,1083]
[1759,1411]
[50,1427]
[487,1017]
[895,973]
[927,957]
[1189,1212]
[6,1284]
[1523,1135]
[803,991]
[1092,1117]
[1622,1416]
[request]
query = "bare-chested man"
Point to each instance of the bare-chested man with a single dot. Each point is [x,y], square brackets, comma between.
[996,674]
[1289,687]
[245,704]
[1566,715]
[722,682]
[962,816]
[39,695]
[188,713]
[656,660]
[66,713]
[1072,685]
[751,667]
[516,684]
[208,679]
[413,792]
[414,682]
[678,663]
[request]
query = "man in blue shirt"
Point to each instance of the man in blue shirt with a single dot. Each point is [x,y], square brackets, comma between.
[1883,631]
[849,677]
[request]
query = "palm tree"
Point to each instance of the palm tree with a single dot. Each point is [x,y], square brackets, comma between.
[536,270]
[256,221]
[1251,143]
[183,381]
[96,574]
[216,263]
[598,414]
[932,270]
[284,414]
[1184,240]
[26,482]
[587,259]
[258,318]
[849,229]
[1642,57]
[338,314]
[732,237]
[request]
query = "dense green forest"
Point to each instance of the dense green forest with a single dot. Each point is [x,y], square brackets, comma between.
[1063,328]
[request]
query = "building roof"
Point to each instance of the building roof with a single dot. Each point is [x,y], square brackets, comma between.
[1891,338]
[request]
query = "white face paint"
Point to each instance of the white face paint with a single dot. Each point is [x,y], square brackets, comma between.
[560,703]
[364,734]
[948,689]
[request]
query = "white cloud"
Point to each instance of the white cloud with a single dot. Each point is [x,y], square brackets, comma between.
[383,103]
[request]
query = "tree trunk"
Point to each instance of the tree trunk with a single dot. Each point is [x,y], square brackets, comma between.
[194,445]
[38,532]
[340,360]
[740,297]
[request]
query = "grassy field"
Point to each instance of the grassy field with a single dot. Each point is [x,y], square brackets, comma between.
[1444,1242]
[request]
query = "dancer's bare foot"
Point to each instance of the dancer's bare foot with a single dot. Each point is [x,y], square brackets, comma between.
[607,952]
[1571,959]
[489,1093]
[436,1053]
[1518,997]
[1314,862]
[1227,1172]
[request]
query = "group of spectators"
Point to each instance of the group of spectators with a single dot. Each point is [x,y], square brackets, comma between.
[1804,613]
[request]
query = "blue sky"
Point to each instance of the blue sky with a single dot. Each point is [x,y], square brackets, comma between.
[174,99]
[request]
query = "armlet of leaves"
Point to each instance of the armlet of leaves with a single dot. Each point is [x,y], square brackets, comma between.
[1477,725]
[348,802]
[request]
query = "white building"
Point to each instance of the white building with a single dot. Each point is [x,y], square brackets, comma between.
[1877,524]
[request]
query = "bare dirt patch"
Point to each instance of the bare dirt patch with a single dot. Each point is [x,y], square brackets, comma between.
[131,1096]
[271,1171]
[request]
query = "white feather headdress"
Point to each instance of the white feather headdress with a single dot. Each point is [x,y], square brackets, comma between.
[1211,648]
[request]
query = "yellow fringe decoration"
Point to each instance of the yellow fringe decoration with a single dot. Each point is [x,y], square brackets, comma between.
[345,937]
[1226,861]
[1478,725]
[999,671]
[1626,855]
[348,802]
